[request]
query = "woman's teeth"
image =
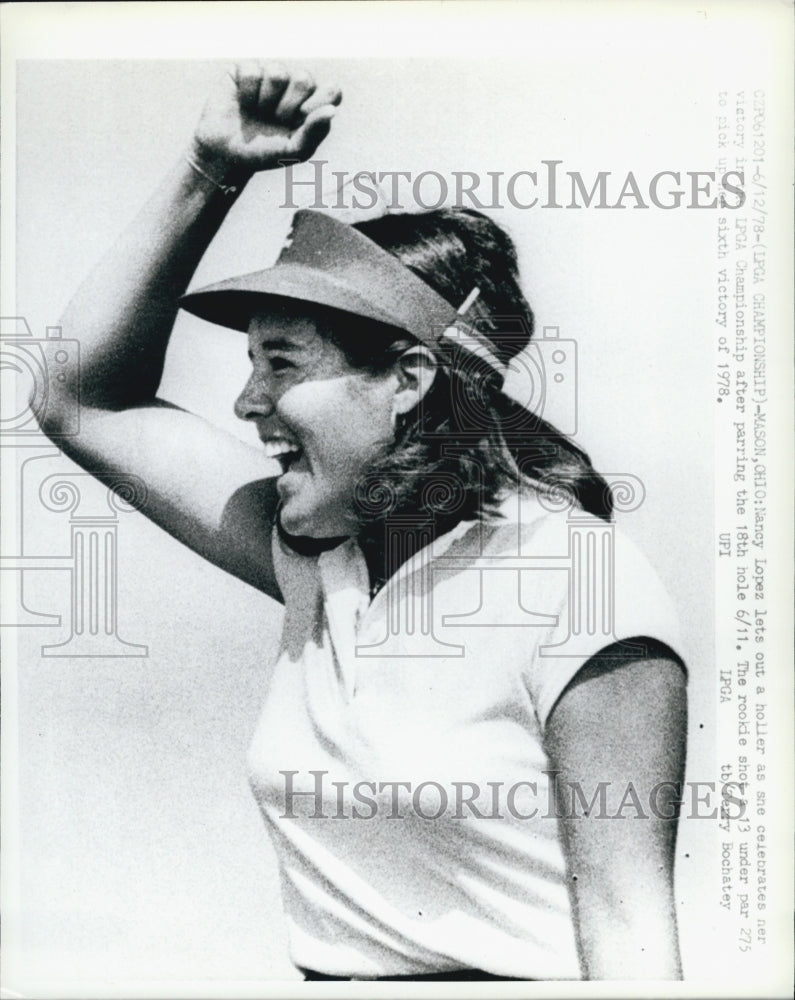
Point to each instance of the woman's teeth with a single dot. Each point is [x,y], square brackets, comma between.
[285,451]
[276,448]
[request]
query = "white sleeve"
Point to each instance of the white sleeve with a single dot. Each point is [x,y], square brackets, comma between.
[609,599]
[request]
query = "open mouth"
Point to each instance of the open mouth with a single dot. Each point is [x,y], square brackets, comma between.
[286,452]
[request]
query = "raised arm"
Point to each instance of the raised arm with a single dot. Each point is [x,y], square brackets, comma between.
[204,486]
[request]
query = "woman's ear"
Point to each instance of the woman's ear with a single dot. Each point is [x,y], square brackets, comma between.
[415,370]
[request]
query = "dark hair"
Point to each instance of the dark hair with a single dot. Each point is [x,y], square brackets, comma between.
[455,456]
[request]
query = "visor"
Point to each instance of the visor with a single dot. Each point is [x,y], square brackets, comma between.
[331,264]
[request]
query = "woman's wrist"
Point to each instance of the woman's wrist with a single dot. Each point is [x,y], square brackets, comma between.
[215,171]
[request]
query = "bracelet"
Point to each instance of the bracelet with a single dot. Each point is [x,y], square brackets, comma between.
[226,189]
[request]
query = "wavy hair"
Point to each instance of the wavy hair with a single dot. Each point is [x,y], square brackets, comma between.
[467,443]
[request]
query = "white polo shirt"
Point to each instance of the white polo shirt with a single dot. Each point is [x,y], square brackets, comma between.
[399,759]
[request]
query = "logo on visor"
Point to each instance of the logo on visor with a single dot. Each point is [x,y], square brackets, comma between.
[288,240]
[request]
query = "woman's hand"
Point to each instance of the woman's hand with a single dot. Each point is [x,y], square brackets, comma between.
[261,114]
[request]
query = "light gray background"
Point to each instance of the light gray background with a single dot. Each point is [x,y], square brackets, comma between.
[142,853]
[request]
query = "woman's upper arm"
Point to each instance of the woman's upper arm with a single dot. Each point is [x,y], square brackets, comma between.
[617,738]
[205,487]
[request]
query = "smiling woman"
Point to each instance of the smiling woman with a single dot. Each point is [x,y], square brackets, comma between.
[323,419]
[400,498]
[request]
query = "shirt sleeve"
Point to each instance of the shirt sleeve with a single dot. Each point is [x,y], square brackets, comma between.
[610,594]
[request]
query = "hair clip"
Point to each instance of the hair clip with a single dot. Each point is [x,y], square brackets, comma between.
[468,334]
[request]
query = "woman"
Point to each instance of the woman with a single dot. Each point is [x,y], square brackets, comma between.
[437,791]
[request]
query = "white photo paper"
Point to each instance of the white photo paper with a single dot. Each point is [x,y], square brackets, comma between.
[640,158]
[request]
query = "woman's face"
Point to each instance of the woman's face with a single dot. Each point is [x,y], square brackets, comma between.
[322,419]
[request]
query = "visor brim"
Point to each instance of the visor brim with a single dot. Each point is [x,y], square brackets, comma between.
[233,302]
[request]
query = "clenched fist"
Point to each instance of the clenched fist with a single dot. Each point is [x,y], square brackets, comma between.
[261,113]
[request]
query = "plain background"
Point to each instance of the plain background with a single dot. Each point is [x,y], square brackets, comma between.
[142,853]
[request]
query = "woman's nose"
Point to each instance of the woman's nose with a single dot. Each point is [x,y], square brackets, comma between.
[254,401]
